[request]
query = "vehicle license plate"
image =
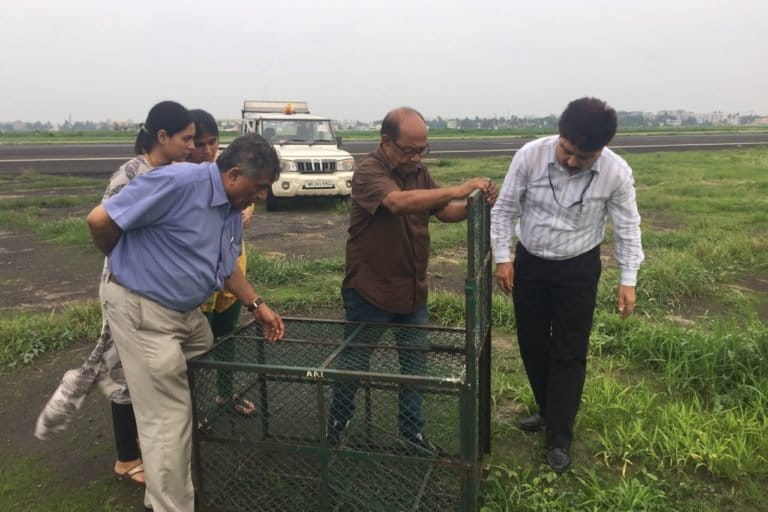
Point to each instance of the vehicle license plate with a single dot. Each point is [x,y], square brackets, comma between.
[318,184]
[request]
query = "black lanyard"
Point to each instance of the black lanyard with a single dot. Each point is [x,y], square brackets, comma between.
[581,198]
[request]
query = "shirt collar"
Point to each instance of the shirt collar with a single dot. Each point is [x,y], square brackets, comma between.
[382,156]
[219,196]
[553,161]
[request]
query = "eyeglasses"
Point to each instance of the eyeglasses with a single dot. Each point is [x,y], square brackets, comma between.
[411,152]
[581,197]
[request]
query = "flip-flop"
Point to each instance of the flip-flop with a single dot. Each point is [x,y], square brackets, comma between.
[238,404]
[242,406]
[130,474]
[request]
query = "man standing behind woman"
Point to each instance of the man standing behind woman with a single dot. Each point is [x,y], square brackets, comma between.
[166,136]
[222,308]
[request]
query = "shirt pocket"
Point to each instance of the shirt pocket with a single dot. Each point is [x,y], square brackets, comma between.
[591,214]
[231,247]
[578,217]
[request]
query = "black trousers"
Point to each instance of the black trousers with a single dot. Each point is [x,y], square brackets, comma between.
[126,433]
[554,305]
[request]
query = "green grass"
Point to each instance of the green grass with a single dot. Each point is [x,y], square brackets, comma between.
[111,136]
[30,180]
[69,231]
[674,410]
[82,136]
[535,132]
[27,335]
[40,213]
[46,202]
[28,484]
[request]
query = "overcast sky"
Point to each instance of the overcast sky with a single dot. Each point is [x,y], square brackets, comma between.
[357,59]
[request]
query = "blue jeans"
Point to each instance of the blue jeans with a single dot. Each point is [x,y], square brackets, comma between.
[412,362]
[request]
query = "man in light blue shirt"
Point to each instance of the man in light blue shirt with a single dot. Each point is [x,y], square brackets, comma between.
[557,196]
[172,237]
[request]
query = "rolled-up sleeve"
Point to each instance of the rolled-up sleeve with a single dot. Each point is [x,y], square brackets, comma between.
[507,209]
[143,201]
[622,207]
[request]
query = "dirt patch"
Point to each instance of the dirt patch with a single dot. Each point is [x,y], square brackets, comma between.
[755,283]
[15,189]
[43,276]
[299,232]
[446,275]
[753,286]
[757,286]
[82,455]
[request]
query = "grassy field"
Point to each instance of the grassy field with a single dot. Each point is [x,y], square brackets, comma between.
[110,136]
[453,133]
[674,409]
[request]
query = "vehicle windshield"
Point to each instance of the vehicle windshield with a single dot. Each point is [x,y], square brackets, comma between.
[299,131]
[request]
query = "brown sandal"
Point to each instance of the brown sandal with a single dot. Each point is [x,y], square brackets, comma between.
[130,475]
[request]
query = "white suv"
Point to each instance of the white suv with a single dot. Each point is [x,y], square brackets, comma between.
[311,163]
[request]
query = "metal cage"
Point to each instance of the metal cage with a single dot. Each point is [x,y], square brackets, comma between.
[279,456]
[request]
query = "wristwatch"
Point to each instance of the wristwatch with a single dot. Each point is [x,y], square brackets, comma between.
[253,306]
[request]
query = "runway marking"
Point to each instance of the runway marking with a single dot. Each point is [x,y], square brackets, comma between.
[441,151]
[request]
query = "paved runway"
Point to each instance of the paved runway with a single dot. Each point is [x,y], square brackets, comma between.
[103,159]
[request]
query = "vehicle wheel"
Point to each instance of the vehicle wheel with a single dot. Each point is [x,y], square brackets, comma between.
[273,202]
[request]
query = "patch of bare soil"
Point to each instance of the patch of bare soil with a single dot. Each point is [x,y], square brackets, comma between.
[43,276]
[299,232]
[756,285]
[82,455]
[14,190]
[753,286]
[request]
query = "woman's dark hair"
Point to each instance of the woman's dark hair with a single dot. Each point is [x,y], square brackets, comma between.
[204,122]
[166,115]
[588,123]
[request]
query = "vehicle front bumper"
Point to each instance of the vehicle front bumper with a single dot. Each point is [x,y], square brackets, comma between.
[292,184]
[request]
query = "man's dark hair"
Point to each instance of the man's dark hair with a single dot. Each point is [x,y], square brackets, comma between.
[391,124]
[588,123]
[204,123]
[253,155]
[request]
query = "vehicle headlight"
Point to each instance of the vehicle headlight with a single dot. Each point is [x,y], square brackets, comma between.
[287,165]
[348,164]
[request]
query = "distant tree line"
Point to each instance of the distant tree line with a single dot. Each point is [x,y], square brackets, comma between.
[78,126]
[626,120]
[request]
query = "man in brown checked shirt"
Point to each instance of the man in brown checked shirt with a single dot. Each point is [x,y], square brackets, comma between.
[393,197]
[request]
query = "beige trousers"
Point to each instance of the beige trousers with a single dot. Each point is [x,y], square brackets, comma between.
[154,343]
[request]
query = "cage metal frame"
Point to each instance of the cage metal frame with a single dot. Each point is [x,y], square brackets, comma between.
[473,386]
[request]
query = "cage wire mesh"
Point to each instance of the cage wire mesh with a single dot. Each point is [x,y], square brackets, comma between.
[334,416]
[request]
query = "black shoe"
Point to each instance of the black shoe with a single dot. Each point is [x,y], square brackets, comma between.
[420,444]
[558,459]
[533,423]
[335,432]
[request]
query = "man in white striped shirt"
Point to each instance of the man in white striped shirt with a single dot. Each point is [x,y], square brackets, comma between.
[557,195]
